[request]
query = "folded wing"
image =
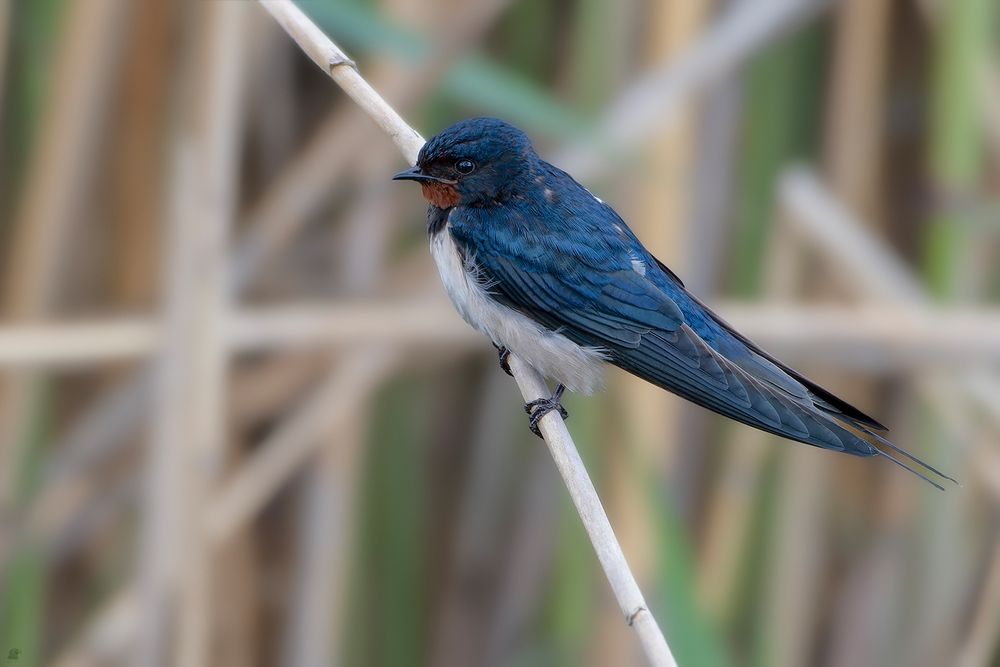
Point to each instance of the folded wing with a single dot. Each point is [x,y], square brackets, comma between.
[644,332]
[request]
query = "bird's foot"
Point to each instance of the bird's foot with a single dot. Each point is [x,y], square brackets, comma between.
[503,353]
[540,407]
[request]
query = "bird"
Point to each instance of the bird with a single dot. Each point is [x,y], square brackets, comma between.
[552,274]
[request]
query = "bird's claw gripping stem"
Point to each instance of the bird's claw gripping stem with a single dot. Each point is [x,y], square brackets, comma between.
[503,353]
[539,407]
[542,406]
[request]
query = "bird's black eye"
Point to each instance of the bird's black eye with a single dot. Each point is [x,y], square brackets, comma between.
[465,166]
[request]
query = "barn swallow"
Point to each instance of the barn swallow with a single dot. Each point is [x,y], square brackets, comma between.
[552,274]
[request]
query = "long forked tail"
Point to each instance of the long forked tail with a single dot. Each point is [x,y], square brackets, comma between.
[902,452]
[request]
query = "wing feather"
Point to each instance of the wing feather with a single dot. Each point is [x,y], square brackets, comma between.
[576,273]
[644,332]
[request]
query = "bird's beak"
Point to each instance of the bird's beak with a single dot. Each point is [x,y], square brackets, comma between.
[414,174]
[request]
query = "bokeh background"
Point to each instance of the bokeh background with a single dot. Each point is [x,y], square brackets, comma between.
[242,426]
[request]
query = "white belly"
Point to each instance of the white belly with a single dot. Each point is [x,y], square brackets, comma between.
[555,356]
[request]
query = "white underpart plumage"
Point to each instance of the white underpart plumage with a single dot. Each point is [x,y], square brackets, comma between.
[579,368]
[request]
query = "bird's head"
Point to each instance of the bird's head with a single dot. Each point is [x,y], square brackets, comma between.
[475,162]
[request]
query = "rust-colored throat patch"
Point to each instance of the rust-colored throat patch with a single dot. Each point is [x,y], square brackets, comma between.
[442,195]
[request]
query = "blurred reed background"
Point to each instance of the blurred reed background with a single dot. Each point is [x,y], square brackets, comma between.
[241,425]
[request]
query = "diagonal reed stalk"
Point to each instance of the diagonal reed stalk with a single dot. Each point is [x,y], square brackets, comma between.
[341,69]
